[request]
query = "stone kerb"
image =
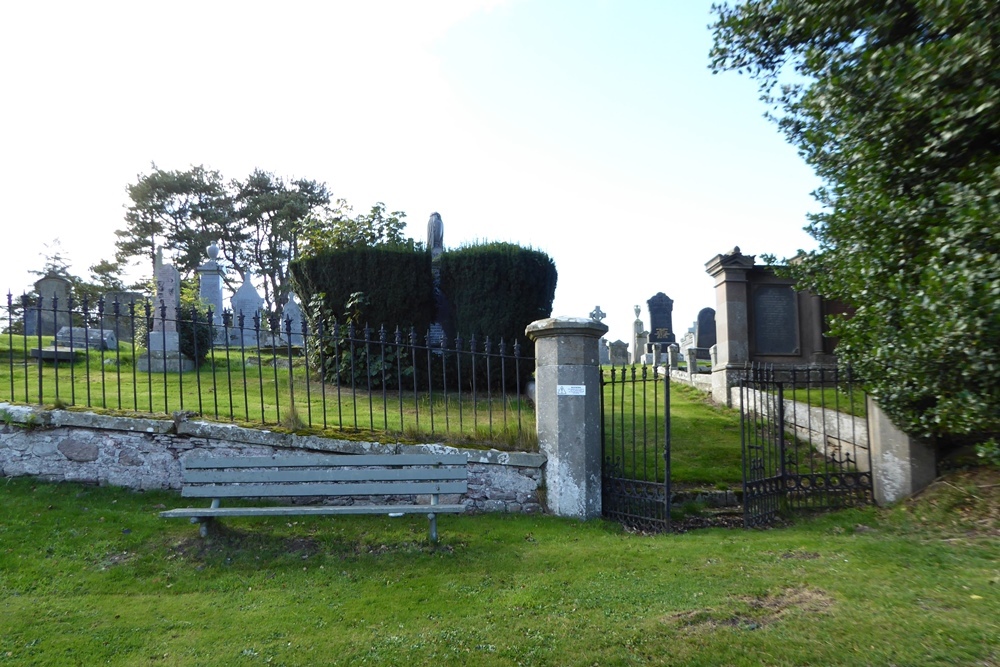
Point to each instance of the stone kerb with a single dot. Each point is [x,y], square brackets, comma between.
[568,412]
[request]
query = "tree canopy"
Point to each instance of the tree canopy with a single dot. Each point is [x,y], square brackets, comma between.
[895,105]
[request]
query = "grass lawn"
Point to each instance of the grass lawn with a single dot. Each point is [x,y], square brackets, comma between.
[92,576]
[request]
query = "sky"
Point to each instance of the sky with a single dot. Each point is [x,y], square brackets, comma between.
[592,130]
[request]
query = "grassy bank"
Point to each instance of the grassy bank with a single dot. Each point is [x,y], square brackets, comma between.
[93,576]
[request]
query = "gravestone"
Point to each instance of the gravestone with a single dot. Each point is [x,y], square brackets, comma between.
[619,353]
[53,292]
[435,235]
[704,332]
[81,338]
[164,339]
[210,275]
[292,314]
[661,328]
[639,337]
[775,320]
[122,323]
[604,356]
[248,302]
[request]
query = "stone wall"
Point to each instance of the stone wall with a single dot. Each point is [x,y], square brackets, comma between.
[137,453]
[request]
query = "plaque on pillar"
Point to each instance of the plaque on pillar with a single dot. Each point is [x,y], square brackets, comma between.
[775,320]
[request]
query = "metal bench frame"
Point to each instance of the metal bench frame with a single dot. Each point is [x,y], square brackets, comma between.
[323,475]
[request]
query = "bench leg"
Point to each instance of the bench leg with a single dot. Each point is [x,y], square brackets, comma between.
[434,528]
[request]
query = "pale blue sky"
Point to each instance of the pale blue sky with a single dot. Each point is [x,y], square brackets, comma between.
[591,130]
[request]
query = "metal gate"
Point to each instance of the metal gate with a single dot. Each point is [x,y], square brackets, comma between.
[635,444]
[805,441]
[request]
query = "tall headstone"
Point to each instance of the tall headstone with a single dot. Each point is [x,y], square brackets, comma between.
[164,338]
[639,337]
[248,302]
[704,332]
[53,292]
[661,328]
[435,235]
[210,276]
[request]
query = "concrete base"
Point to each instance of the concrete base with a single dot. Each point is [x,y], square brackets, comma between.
[901,465]
[158,362]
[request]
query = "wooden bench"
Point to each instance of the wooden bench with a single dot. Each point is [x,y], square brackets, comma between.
[357,477]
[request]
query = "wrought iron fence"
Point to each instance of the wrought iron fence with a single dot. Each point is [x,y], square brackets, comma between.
[135,357]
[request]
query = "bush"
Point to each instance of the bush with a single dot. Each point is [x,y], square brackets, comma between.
[195,333]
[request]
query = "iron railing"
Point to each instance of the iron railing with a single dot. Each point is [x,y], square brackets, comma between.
[262,369]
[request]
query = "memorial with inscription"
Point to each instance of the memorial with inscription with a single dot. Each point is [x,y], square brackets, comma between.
[775,320]
[661,328]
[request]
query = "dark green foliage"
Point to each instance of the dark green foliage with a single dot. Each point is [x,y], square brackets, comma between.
[396,281]
[496,290]
[897,111]
[195,332]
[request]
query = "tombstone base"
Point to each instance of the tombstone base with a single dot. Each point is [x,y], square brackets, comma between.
[158,362]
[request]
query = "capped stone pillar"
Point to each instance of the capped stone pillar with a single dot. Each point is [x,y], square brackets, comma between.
[568,412]
[732,328]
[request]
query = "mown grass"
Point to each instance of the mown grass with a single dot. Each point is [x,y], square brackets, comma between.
[705,444]
[260,388]
[92,576]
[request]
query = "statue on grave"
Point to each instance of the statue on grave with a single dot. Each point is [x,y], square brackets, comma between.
[435,234]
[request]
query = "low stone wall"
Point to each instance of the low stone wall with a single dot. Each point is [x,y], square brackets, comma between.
[137,453]
[701,381]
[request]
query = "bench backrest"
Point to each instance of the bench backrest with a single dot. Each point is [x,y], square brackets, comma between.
[324,475]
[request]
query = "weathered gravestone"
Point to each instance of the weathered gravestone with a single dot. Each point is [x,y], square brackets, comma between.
[604,356]
[51,312]
[81,338]
[210,275]
[247,302]
[619,353]
[164,338]
[291,320]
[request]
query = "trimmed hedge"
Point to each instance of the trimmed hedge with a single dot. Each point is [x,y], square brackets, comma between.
[396,281]
[496,290]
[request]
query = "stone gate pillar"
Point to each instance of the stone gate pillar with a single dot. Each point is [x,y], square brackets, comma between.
[568,412]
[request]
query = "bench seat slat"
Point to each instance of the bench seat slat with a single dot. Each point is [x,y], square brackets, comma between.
[326,460]
[315,510]
[201,476]
[320,489]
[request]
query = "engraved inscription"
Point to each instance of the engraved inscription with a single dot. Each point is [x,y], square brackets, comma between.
[776,320]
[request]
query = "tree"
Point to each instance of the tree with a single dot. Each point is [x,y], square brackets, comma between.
[895,105]
[336,229]
[256,222]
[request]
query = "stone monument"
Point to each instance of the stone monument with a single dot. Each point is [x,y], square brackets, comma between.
[291,317]
[119,309]
[210,276]
[598,315]
[51,311]
[435,235]
[641,337]
[164,338]
[619,353]
[704,332]
[247,301]
[661,328]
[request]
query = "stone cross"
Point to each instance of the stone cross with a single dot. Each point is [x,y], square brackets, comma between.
[597,314]
[435,235]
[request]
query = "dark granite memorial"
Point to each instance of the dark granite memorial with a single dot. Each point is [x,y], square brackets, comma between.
[661,328]
[775,320]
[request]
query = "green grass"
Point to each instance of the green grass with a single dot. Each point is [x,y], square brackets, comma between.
[830,398]
[705,438]
[251,389]
[92,576]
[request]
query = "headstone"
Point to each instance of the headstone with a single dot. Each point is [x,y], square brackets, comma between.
[604,356]
[248,302]
[619,353]
[775,320]
[673,357]
[53,291]
[164,339]
[704,329]
[81,338]
[661,328]
[292,313]
[210,275]
[122,323]
[435,235]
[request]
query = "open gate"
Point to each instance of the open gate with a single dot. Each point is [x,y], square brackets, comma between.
[635,447]
[805,441]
